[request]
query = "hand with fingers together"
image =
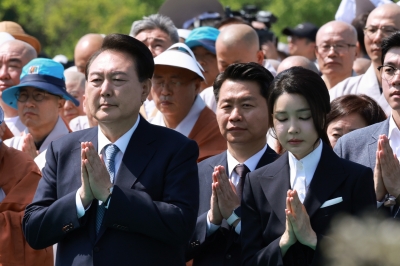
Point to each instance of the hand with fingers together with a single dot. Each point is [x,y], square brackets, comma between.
[390,167]
[380,189]
[97,174]
[226,192]
[299,221]
[214,214]
[29,146]
[288,238]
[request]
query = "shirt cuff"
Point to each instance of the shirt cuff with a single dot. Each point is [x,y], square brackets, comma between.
[211,228]
[80,210]
[238,228]
[379,203]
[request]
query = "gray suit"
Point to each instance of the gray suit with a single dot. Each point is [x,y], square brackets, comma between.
[360,145]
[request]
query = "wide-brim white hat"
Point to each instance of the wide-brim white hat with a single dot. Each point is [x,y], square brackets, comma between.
[180,55]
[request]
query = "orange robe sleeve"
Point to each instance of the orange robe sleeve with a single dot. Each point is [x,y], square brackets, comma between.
[207,135]
[19,177]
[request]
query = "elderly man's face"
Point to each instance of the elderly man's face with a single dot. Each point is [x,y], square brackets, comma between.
[113,91]
[208,61]
[379,25]
[70,110]
[40,109]
[174,90]
[12,59]
[391,83]
[155,39]
[299,46]
[336,51]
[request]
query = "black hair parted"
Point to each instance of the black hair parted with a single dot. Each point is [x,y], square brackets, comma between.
[245,72]
[135,49]
[307,83]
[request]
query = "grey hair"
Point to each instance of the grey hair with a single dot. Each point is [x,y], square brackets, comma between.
[155,21]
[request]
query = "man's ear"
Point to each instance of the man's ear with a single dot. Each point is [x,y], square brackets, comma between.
[260,57]
[197,85]
[146,87]
[61,103]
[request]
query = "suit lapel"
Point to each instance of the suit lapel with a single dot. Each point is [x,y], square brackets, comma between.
[268,157]
[328,176]
[373,144]
[137,155]
[276,184]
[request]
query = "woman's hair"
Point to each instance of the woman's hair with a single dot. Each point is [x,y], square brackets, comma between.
[307,83]
[362,105]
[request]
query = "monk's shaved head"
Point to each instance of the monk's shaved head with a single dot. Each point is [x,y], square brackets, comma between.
[387,16]
[25,50]
[85,48]
[237,43]
[297,60]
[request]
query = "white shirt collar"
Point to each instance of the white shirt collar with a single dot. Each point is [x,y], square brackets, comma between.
[187,124]
[394,136]
[308,164]
[251,163]
[121,143]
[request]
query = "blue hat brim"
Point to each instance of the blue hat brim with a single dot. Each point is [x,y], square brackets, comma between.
[207,44]
[9,98]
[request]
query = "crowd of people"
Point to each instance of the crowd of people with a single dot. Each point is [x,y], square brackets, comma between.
[198,147]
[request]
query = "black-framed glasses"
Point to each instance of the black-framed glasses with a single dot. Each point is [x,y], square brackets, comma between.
[37,96]
[388,72]
[371,31]
[339,48]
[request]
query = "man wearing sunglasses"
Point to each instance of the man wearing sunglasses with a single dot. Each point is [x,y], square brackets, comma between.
[381,23]
[38,99]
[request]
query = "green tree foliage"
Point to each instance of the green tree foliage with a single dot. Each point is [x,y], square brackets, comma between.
[58,24]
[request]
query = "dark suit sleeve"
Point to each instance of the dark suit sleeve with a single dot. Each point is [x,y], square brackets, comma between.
[49,218]
[255,251]
[171,219]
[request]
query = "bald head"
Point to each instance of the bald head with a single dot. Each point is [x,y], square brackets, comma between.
[297,60]
[345,30]
[17,54]
[387,16]
[237,43]
[25,50]
[85,48]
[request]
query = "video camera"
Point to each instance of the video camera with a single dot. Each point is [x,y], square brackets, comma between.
[252,13]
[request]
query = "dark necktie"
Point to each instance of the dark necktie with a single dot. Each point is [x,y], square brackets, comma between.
[111,151]
[241,170]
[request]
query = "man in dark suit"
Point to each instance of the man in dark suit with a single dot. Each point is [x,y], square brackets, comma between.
[241,92]
[375,145]
[122,193]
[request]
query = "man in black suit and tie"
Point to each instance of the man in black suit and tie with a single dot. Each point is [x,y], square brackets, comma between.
[122,193]
[241,92]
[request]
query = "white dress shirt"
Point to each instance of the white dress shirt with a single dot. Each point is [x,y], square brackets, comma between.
[103,141]
[15,125]
[187,124]
[251,163]
[304,167]
[394,136]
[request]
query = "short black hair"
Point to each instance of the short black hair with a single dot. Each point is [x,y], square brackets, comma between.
[245,72]
[390,42]
[307,83]
[139,53]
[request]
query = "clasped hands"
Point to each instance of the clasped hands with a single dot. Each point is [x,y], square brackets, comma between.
[223,198]
[387,170]
[94,175]
[298,226]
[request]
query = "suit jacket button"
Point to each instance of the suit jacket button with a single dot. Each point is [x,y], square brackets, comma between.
[96,249]
[228,256]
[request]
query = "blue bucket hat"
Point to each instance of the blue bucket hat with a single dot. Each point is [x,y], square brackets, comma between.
[203,36]
[41,73]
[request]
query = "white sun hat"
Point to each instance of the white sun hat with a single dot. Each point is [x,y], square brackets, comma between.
[179,55]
